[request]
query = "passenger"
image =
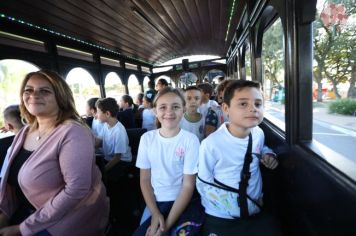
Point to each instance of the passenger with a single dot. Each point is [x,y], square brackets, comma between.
[161,84]
[139,100]
[126,115]
[95,124]
[114,142]
[215,116]
[52,184]
[148,116]
[13,123]
[207,91]
[193,121]
[167,158]
[222,161]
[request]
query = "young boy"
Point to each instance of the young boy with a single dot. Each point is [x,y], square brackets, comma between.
[13,123]
[206,103]
[95,125]
[225,162]
[192,120]
[115,142]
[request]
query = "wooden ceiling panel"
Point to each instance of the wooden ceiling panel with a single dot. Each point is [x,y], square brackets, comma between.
[150,30]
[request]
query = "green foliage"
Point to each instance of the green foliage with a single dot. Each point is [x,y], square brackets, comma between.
[273,53]
[343,106]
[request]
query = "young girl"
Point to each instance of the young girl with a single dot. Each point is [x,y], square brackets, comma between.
[167,158]
[148,116]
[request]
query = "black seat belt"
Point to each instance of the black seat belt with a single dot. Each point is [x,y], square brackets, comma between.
[244,178]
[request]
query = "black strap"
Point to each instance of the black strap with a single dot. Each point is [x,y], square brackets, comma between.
[244,178]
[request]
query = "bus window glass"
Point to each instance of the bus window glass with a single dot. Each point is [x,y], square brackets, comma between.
[273,74]
[334,76]
[83,87]
[145,83]
[12,72]
[114,88]
[248,63]
[134,86]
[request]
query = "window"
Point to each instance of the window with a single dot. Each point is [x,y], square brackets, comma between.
[247,62]
[273,74]
[134,86]
[12,72]
[83,87]
[113,86]
[334,92]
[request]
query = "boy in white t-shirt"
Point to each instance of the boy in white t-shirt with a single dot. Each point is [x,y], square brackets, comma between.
[192,120]
[221,161]
[114,142]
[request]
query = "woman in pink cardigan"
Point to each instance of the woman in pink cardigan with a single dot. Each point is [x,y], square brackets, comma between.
[52,185]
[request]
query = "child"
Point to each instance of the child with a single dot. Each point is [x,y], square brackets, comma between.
[192,120]
[91,120]
[148,116]
[222,161]
[115,142]
[126,115]
[13,123]
[207,91]
[215,116]
[167,158]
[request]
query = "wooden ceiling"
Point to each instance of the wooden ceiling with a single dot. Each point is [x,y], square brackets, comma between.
[151,30]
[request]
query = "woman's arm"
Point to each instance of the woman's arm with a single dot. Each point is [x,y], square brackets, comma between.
[157,220]
[182,201]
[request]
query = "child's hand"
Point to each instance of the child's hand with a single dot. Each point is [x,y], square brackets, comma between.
[269,161]
[157,225]
[3,130]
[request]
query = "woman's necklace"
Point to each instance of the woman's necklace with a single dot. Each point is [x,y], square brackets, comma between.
[39,136]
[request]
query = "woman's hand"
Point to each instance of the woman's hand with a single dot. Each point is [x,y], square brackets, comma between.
[269,161]
[13,230]
[4,221]
[157,225]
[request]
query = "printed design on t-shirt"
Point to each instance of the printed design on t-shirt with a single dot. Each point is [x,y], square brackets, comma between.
[179,153]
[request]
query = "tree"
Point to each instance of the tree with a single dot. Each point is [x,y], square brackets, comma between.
[334,45]
[273,54]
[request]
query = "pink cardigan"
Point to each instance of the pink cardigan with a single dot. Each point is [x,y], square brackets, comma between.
[61,180]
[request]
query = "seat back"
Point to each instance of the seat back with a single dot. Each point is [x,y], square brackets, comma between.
[134,140]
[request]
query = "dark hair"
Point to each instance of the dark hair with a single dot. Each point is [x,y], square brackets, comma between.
[151,84]
[206,88]
[108,104]
[238,85]
[13,113]
[91,103]
[164,91]
[163,82]
[62,93]
[127,98]
[140,97]
[149,95]
[222,86]
[192,88]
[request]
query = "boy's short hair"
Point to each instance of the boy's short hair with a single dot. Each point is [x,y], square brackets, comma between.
[206,88]
[91,103]
[238,85]
[108,104]
[12,113]
[127,98]
[192,88]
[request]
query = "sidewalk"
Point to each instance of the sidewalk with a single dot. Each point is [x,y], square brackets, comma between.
[347,122]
